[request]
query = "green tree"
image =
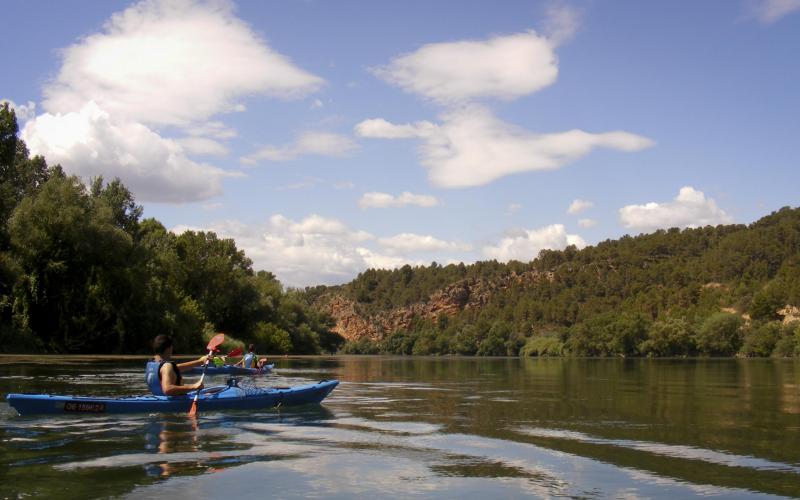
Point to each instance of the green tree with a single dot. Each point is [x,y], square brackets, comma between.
[720,335]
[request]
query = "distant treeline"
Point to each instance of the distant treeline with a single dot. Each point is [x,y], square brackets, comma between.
[80,272]
[712,291]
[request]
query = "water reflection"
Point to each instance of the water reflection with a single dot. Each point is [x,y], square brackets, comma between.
[428,427]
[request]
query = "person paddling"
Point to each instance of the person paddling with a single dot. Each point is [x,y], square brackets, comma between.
[163,376]
[251,360]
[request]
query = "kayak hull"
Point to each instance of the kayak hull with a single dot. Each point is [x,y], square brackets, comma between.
[211,399]
[230,370]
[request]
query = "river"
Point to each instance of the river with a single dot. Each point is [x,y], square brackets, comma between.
[426,427]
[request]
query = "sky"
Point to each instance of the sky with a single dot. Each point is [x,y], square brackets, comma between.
[329,137]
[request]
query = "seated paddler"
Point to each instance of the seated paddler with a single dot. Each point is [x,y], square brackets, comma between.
[163,376]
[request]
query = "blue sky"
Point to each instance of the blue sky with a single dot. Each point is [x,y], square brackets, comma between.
[329,137]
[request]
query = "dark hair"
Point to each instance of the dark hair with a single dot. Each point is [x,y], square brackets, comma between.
[161,344]
[251,347]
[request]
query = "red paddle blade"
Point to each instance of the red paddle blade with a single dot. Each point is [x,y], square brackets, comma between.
[215,341]
[193,409]
[235,352]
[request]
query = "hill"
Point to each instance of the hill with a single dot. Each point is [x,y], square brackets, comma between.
[724,290]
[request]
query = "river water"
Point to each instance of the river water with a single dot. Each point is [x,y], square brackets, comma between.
[424,427]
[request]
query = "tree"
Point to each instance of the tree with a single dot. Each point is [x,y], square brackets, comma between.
[720,335]
[75,289]
[669,337]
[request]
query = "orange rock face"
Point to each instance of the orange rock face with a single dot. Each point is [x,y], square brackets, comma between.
[448,301]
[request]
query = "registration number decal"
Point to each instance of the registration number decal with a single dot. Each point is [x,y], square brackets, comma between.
[85,407]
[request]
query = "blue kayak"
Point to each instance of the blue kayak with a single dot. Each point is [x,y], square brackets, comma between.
[229,370]
[211,399]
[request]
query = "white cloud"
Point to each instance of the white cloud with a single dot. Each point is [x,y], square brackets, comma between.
[159,63]
[378,128]
[587,223]
[202,146]
[23,112]
[385,200]
[90,143]
[379,261]
[410,243]
[314,250]
[212,129]
[471,147]
[308,143]
[770,11]
[578,206]
[344,185]
[525,245]
[503,67]
[561,22]
[173,62]
[690,208]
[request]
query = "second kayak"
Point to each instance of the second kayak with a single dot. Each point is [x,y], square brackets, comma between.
[230,370]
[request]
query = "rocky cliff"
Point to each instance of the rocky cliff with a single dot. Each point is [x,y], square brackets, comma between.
[464,294]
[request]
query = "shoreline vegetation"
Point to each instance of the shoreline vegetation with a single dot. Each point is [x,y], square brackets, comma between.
[82,273]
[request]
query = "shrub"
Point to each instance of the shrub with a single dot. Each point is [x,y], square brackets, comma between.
[542,346]
[720,335]
[670,337]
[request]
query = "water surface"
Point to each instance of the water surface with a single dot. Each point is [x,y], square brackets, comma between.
[425,427]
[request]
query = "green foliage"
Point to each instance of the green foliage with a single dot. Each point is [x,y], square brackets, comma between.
[720,335]
[80,272]
[658,294]
[543,346]
[271,339]
[760,339]
[669,337]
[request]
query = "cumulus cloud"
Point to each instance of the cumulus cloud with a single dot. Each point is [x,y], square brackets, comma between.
[578,206]
[587,223]
[91,143]
[314,250]
[173,62]
[308,143]
[24,112]
[690,208]
[410,243]
[524,245]
[385,200]
[502,67]
[770,11]
[472,147]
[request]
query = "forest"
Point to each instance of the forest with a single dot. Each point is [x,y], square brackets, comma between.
[82,272]
[729,290]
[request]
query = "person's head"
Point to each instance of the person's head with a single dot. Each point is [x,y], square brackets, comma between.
[251,348]
[162,344]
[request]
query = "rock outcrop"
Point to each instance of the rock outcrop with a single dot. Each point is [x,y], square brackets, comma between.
[448,301]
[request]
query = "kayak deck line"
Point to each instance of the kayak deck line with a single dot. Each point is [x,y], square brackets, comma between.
[225,397]
[231,370]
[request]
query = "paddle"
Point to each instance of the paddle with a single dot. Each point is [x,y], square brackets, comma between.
[215,341]
[236,352]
